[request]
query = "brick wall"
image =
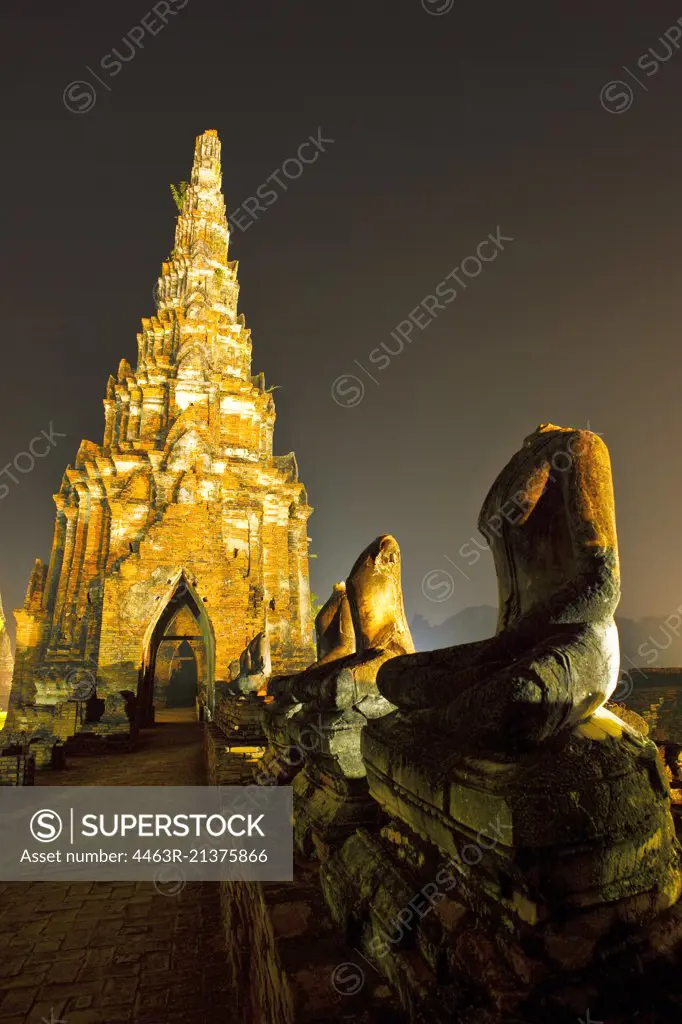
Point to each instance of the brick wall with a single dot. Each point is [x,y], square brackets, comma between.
[300,953]
[17,770]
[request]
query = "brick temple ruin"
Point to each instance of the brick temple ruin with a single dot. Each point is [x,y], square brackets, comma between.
[482,836]
[181,536]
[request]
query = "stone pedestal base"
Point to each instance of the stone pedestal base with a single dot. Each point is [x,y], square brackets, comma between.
[591,815]
[329,739]
[278,767]
[282,760]
[331,798]
[113,733]
[399,904]
[328,808]
[493,883]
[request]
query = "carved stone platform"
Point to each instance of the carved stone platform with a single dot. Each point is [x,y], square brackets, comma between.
[328,809]
[493,881]
[591,815]
[331,796]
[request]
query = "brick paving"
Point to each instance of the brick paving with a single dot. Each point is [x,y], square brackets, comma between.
[117,952]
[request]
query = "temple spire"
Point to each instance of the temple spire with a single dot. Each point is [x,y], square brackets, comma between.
[206,169]
[198,271]
[201,231]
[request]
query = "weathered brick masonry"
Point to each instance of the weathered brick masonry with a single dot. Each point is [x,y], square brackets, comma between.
[182,507]
[287,961]
[6,662]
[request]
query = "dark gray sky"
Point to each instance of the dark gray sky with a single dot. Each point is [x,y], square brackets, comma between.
[446,126]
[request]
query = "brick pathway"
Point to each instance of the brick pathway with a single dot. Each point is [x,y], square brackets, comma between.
[115,952]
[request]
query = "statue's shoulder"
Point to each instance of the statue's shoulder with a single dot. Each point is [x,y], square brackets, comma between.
[582,443]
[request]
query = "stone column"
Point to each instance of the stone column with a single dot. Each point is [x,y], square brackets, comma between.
[56,555]
[71,516]
[6,662]
[300,625]
[125,415]
[75,580]
[135,414]
[94,544]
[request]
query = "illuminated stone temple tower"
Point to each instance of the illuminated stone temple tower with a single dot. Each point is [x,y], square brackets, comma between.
[181,536]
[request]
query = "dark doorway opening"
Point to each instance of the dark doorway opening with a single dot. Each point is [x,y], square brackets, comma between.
[182,688]
[177,668]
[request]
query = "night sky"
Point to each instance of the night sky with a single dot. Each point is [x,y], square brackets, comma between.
[448,125]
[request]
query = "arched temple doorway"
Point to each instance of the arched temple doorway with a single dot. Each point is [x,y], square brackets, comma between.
[181,688]
[179,654]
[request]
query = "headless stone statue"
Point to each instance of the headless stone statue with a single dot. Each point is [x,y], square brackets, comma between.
[334,627]
[335,700]
[375,600]
[552,812]
[549,519]
[115,712]
[335,640]
[255,668]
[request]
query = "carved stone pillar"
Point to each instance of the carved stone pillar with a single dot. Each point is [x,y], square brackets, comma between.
[71,512]
[56,555]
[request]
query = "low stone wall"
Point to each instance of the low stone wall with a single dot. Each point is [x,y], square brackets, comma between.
[262,988]
[303,973]
[223,767]
[17,770]
[241,716]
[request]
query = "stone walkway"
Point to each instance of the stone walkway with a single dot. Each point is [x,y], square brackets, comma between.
[117,952]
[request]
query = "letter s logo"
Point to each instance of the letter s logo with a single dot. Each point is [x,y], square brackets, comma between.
[46,826]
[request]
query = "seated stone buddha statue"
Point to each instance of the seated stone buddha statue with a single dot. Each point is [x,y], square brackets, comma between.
[255,668]
[550,522]
[373,598]
[335,640]
[334,627]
